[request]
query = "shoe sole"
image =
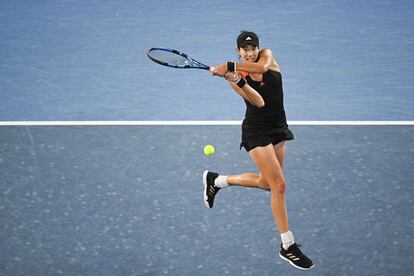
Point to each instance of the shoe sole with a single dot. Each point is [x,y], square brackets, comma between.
[205,189]
[298,267]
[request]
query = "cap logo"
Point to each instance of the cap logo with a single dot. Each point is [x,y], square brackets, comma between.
[248,38]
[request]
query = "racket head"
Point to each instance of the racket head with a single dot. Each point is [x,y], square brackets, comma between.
[174,59]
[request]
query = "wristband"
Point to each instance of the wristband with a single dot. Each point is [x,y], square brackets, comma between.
[241,83]
[231,66]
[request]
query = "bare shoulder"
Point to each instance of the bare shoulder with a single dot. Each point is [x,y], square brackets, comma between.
[267,53]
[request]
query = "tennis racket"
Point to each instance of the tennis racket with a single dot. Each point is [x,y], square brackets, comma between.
[175,59]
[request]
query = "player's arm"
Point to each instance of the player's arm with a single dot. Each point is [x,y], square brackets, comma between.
[266,61]
[245,90]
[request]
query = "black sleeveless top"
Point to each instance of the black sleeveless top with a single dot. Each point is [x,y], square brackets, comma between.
[273,113]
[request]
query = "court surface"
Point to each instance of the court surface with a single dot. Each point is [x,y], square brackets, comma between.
[127,199]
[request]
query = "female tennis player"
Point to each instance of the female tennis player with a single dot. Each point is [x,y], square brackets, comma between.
[257,79]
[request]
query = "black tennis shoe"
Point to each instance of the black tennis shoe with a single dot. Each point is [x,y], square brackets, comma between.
[295,257]
[210,190]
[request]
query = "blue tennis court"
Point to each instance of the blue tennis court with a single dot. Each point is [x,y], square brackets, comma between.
[127,199]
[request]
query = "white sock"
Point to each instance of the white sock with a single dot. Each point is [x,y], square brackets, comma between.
[221,181]
[287,239]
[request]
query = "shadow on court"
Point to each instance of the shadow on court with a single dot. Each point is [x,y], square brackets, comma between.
[114,200]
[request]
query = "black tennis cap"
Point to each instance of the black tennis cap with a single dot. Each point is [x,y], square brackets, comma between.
[246,38]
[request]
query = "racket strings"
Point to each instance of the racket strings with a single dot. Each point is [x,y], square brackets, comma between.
[169,57]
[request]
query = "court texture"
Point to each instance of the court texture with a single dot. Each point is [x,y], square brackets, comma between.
[101,150]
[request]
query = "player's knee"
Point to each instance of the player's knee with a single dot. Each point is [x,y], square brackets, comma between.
[278,185]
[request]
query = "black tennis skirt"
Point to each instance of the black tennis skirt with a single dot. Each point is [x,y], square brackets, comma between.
[262,135]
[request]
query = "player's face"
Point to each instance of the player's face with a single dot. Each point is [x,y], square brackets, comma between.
[248,53]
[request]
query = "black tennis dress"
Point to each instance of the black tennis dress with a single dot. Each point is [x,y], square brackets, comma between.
[266,125]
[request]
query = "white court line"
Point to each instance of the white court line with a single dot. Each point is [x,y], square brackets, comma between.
[198,123]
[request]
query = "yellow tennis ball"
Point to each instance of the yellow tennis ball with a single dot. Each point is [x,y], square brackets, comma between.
[208,150]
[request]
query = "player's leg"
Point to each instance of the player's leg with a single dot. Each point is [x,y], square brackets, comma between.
[213,182]
[266,161]
[257,180]
[251,180]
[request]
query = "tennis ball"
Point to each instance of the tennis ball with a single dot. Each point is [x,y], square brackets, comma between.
[208,150]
